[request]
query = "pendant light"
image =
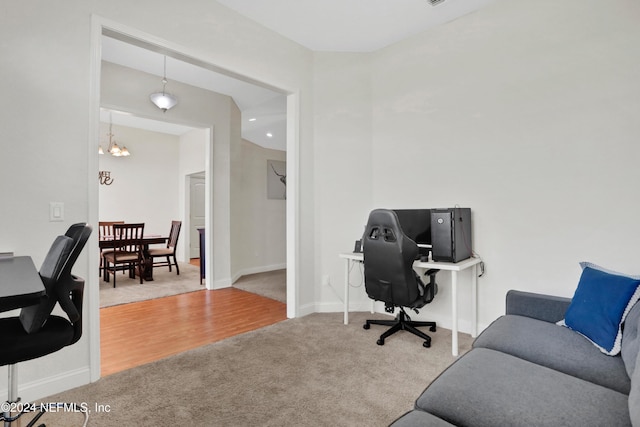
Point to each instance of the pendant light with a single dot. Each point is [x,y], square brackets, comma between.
[163,100]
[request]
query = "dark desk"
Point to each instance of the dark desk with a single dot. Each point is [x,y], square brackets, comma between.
[20,283]
[106,243]
[201,232]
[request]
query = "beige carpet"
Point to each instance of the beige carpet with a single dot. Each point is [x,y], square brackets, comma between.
[271,284]
[311,371]
[165,283]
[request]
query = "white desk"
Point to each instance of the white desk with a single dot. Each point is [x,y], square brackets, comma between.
[352,257]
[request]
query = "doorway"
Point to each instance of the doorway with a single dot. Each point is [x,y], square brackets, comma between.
[101,27]
[196,212]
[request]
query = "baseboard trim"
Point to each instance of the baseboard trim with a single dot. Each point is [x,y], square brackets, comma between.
[222,283]
[306,309]
[332,307]
[34,390]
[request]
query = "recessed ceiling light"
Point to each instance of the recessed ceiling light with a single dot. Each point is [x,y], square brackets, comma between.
[252,119]
[269,135]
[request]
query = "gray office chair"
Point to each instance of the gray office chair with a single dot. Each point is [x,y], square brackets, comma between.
[36,332]
[389,275]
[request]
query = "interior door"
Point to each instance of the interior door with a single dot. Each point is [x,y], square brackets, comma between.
[196,213]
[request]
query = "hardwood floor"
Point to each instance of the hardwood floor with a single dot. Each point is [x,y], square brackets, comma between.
[139,333]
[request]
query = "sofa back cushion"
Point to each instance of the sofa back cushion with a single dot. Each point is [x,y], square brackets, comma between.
[631,340]
[634,397]
[630,353]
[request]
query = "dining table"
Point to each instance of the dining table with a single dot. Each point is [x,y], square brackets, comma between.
[105,242]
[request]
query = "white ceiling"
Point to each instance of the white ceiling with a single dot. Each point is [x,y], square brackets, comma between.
[351,25]
[267,107]
[320,25]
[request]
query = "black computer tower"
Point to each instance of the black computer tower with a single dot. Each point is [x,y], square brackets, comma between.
[451,234]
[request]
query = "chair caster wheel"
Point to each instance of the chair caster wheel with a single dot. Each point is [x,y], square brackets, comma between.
[380,342]
[432,329]
[366,326]
[426,344]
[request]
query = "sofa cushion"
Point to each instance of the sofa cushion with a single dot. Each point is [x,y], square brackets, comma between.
[417,418]
[631,356]
[631,339]
[555,347]
[634,396]
[489,388]
[600,304]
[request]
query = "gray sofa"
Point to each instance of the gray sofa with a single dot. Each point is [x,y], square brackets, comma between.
[524,370]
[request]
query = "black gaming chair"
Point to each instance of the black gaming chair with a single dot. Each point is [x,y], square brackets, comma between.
[36,333]
[389,276]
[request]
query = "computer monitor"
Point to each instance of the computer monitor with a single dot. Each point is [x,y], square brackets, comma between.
[416,224]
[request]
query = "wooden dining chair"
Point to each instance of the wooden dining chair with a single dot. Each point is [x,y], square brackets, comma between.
[105,230]
[169,251]
[126,251]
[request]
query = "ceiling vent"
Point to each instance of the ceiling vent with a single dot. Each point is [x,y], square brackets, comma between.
[435,2]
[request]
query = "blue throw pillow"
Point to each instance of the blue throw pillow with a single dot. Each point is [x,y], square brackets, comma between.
[600,304]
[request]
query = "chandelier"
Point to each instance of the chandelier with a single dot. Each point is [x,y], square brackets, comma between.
[113,147]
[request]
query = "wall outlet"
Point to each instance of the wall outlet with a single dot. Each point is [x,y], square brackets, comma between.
[326,280]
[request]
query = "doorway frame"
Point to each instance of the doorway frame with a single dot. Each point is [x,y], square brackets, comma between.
[186,246]
[98,27]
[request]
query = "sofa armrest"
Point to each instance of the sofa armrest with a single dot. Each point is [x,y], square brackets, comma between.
[538,306]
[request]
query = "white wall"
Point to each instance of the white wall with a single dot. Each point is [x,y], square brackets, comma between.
[524,112]
[191,161]
[527,112]
[534,103]
[197,107]
[258,224]
[48,146]
[149,186]
[342,153]
[145,184]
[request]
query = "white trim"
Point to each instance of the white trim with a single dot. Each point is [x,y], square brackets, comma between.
[100,25]
[293,204]
[209,266]
[48,386]
[332,307]
[218,284]
[92,289]
[307,309]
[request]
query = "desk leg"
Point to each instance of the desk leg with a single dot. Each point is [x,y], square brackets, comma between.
[474,301]
[12,387]
[454,313]
[346,291]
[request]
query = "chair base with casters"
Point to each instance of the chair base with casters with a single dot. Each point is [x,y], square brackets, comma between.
[403,322]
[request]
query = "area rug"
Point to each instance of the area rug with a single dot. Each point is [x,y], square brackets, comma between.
[165,283]
[309,371]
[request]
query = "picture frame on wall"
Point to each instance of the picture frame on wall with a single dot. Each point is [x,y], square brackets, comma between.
[276,179]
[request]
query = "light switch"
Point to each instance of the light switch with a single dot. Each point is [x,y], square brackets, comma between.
[56,211]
